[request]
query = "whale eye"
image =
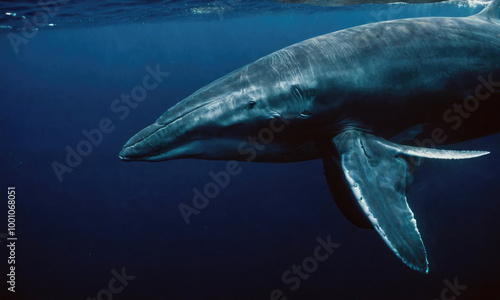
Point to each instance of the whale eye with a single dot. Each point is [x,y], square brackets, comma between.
[251,104]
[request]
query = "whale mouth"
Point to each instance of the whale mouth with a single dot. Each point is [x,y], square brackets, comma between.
[181,149]
[130,154]
[124,158]
[156,141]
[137,152]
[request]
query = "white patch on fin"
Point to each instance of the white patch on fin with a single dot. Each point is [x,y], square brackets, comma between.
[431,152]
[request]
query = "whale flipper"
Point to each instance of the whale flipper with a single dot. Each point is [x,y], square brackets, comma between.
[377,173]
[342,194]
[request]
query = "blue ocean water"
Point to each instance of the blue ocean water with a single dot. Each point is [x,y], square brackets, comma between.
[77,232]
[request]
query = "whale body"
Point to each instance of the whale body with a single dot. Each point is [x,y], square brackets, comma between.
[354,2]
[346,98]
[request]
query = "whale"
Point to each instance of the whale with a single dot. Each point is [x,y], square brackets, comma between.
[372,102]
[355,2]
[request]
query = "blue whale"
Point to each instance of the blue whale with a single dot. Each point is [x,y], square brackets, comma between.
[365,100]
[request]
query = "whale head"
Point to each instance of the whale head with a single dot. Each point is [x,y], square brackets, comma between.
[220,122]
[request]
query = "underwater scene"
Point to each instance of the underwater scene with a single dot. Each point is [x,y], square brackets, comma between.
[230,149]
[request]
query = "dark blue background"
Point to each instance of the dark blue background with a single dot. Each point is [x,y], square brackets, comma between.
[108,214]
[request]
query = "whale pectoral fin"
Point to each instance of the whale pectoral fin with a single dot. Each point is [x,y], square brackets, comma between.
[342,194]
[377,173]
[378,181]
